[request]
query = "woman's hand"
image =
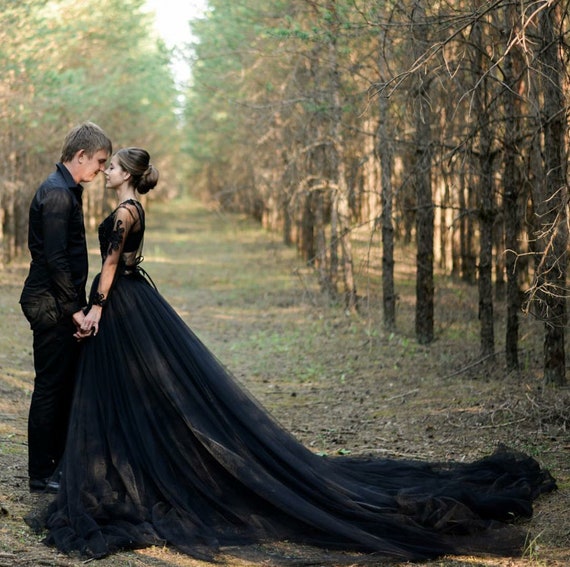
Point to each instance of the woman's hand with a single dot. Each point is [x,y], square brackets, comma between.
[90,324]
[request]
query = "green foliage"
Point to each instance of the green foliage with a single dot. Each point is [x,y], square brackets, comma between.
[68,61]
[256,92]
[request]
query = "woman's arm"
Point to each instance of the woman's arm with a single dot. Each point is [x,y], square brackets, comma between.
[125,217]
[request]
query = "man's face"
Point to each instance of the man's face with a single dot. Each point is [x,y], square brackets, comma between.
[89,167]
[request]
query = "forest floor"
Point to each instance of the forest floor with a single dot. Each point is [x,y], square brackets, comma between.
[336,381]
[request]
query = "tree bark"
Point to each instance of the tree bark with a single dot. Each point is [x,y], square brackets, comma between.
[511,202]
[486,209]
[554,263]
[384,151]
[422,178]
[307,229]
[341,198]
[321,246]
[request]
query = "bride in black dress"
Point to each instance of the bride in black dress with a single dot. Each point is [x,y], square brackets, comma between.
[165,447]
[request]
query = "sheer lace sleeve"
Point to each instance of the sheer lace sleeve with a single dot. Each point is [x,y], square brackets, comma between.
[123,221]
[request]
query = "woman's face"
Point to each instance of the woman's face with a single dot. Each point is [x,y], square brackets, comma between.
[115,174]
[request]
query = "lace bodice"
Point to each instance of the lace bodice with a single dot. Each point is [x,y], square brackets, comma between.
[122,232]
[120,240]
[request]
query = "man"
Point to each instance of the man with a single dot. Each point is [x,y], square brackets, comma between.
[54,295]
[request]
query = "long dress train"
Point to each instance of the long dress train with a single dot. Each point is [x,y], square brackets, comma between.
[165,446]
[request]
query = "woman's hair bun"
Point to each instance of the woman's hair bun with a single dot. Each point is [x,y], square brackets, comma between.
[148,180]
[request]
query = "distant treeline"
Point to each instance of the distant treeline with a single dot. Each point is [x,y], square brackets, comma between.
[439,123]
[66,62]
[442,124]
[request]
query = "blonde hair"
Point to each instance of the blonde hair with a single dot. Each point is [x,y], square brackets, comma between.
[87,136]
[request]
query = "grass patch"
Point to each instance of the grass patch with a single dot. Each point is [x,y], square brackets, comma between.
[340,384]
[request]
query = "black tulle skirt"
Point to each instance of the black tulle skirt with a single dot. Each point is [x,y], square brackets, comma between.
[165,447]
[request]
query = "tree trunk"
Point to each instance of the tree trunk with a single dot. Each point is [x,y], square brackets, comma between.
[307,230]
[321,246]
[340,204]
[384,150]
[422,178]
[468,255]
[511,183]
[498,248]
[338,170]
[554,263]
[486,209]
[334,261]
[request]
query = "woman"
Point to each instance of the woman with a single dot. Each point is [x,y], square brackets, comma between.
[166,447]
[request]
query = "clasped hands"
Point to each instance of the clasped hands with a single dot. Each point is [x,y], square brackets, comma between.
[87,324]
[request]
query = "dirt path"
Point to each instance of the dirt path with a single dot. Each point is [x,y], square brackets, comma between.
[337,382]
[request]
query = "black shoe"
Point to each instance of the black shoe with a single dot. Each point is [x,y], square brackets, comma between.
[44,485]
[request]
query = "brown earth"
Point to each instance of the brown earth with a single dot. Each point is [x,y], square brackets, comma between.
[338,382]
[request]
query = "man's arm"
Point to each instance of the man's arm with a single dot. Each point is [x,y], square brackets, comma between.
[57,207]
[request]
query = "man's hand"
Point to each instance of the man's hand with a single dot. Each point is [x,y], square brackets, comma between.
[90,324]
[78,320]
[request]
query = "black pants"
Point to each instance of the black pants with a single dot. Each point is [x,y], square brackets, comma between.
[55,363]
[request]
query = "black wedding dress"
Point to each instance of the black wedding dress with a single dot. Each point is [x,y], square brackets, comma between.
[165,447]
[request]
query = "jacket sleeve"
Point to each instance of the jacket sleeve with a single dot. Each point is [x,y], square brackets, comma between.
[56,210]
